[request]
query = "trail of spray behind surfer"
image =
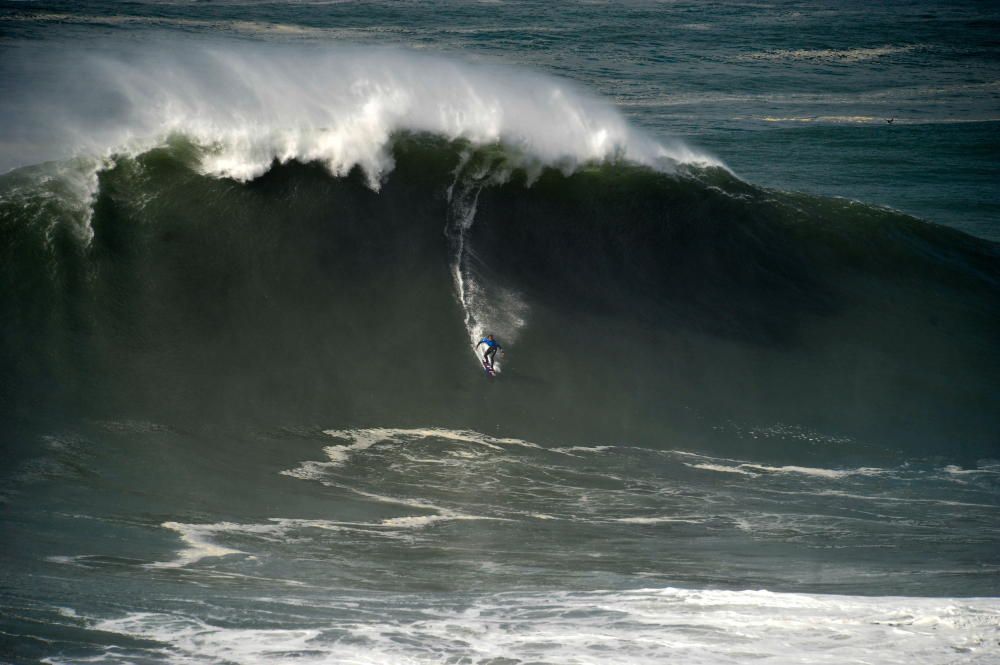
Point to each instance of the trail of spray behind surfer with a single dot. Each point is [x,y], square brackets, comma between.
[493,309]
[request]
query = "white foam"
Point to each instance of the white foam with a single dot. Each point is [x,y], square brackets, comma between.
[746,468]
[850,55]
[249,105]
[199,547]
[469,436]
[988,469]
[309,470]
[837,119]
[813,471]
[363,439]
[200,543]
[721,468]
[583,449]
[759,469]
[421,521]
[694,626]
[659,520]
[873,119]
[194,637]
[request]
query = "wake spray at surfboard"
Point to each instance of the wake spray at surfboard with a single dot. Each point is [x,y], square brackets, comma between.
[488,307]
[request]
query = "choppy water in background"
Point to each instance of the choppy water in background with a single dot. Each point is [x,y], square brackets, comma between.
[750,405]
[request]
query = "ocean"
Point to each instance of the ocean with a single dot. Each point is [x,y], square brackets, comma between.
[743,259]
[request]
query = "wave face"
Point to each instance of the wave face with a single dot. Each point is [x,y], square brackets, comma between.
[250,106]
[670,299]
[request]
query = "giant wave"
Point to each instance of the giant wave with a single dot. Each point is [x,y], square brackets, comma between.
[270,235]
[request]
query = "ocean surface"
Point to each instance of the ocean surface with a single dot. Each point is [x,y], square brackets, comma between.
[744,260]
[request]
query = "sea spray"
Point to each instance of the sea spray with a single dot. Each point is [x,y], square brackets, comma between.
[488,307]
[339,106]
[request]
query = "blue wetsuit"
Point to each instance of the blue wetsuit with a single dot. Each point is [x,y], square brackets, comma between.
[491,349]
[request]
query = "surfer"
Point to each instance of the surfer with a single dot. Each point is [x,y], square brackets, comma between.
[491,349]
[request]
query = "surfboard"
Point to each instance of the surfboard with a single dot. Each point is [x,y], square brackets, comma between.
[489,369]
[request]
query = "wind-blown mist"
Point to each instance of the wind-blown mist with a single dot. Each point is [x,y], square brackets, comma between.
[338,106]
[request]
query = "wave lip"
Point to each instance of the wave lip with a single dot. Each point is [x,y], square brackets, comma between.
[248,107]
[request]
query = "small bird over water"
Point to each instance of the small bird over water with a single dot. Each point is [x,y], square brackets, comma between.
[890,120]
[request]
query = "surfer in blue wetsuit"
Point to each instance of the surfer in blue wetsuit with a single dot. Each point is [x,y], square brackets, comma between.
[492,346]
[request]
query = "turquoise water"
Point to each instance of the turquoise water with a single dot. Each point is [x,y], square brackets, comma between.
[749,405]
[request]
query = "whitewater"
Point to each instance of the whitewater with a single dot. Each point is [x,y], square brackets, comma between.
[749,406]
[247,108]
